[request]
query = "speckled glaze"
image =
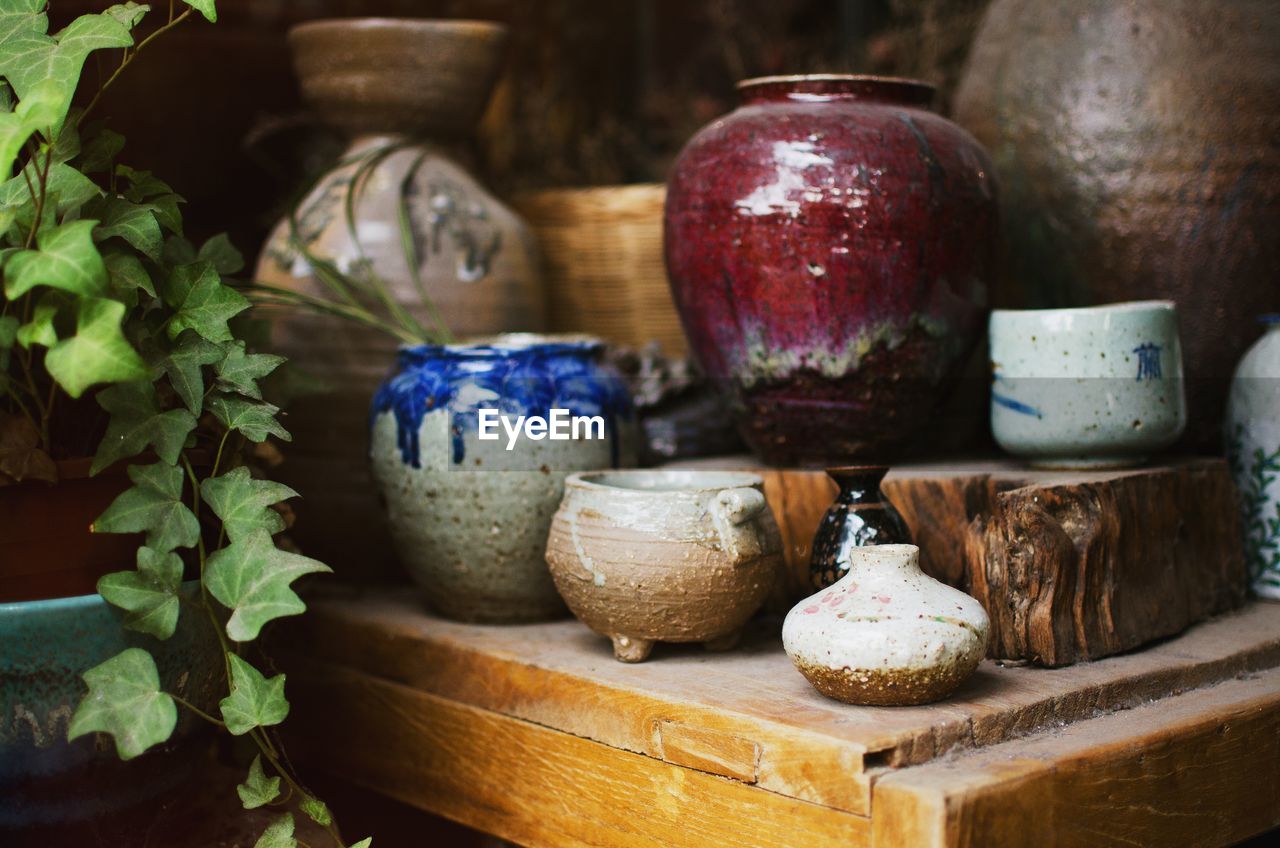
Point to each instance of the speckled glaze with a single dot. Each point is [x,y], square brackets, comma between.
[1096,387]
[469,518]
[829,245]
[671,556]
[886,634]
[44,648]
[860,515]
[1135,143]
[1253,448]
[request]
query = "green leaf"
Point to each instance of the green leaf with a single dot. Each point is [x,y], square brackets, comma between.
[367,842]
[41,108]
[136,422]
[183,365]
[243,503]
[125,701]
[142,185]
[100,151]
[71,188]
[127,275]
[202,303]
[8,331]
[222,254]
[153,505]
[35,58]
[98,352]
[129,13]
[255,419]
[251,578]
[258,790]
[317,811]
[279,834]
[40,330]
[204,7]
[135,223]
[255,701]
[148,595]
[240,371]
[67,260]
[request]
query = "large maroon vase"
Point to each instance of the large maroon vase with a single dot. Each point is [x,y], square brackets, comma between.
[829,245]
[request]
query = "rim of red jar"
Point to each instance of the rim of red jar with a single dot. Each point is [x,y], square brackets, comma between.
[812,87]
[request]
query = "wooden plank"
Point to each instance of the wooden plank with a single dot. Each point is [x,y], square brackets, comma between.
[747,714]
[530,784]
[1202,768]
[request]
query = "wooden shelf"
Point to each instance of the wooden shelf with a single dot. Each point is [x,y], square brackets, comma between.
[535,733]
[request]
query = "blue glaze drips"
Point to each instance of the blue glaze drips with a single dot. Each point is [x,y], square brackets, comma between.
[517,379]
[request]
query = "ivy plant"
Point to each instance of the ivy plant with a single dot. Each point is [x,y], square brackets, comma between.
[105,302]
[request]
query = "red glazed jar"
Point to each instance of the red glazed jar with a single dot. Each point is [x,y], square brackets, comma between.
[829,245]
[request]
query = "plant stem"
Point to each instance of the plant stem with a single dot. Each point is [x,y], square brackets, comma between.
[130,56]
[268,750]
[204,715]
[271,295]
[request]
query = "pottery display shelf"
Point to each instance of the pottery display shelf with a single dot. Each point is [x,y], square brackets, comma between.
[536,734]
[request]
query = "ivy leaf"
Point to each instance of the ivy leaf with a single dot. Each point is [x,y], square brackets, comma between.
[71,188]
[279,834]
[251,578]
[148,595]
[125,701]
[243,503]
[8,331]
[60,59]
[202,303]
[258,790]
[134,222]
[183,365]
[255,701]
[21,457]
[153,504]
[41,108]
[255,419]
[317,811]
[40,330]
[98,352]
[367,842]
[129,13]
[143,185]
[101,150]
[204,7]
[222,254]
[240,371]
[127,275]
[67,260]
[136,422]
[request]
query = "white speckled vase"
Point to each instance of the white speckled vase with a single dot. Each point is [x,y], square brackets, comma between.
[469,518]
[1096,387]
[886,633]
[1253,448]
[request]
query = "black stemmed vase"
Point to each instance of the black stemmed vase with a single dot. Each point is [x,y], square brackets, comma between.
[860,516]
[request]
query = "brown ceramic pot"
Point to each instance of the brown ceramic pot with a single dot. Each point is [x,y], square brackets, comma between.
[671,556]
[388,84]
[1137,144]
[46,547]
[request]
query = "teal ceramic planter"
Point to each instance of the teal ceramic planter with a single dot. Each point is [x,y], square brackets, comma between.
[44,648]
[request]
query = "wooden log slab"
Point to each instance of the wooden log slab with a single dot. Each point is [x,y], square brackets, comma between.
[1070,565]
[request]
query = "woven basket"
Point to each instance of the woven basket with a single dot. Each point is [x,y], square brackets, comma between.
[602,253]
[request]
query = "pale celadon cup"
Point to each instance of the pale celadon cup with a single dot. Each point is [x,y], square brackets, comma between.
[1094,387]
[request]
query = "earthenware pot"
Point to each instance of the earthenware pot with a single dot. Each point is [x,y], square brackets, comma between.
[886,633]
[829,245]
[469,516]
[47,645]
[664,556]
[1135,142]
[861,515]
[1253,448]
[1096,387]
[424,224]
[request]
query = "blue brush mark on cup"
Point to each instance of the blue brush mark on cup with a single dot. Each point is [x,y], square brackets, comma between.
[1148,361]
[515,378]
[1015,405]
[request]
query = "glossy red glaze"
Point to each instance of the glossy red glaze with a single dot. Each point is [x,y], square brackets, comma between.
[829,245]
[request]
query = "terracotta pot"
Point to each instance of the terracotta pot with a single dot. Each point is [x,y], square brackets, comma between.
[861,515]
[470,516]
[886,633]
[1136,146]
[389,83]
[829,245]
[671,556]
[46,547]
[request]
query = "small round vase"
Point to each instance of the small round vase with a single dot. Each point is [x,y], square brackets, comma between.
[829,245]
[861,515]
[400,204]
[1253,449]
[670,556]
[468,515]
[886,633]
